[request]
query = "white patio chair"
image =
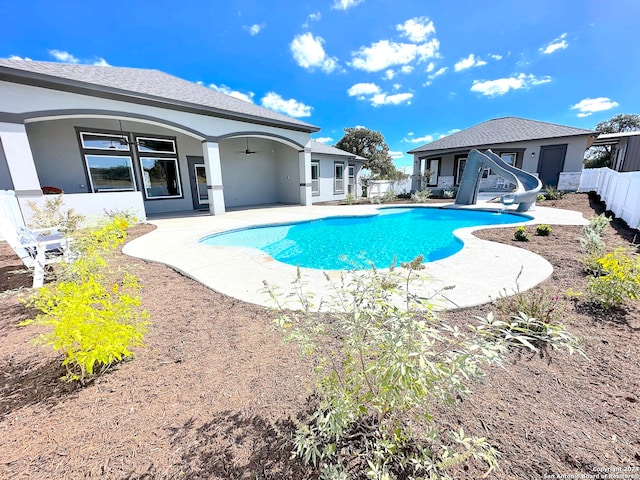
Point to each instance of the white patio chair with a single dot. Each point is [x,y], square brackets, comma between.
[37,248]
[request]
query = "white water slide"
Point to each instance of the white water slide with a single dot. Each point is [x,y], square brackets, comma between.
[527,185]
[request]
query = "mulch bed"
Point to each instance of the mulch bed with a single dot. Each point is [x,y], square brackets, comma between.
[201,401]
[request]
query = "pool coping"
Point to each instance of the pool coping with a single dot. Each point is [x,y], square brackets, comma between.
[478,273]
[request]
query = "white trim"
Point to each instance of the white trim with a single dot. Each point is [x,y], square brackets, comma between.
[144,187]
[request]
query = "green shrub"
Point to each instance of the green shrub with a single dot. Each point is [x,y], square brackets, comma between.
[541,197]
[388,197]
[521,234]
[597,224]
[552,193]
[619,281]
[53,214]
[543,230]
[350,199]
[421,196]
[382,359]
[92,314]
[449,192]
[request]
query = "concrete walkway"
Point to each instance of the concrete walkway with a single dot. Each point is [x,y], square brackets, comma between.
[481,271]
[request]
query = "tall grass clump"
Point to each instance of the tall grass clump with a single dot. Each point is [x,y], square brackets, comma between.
[383,359]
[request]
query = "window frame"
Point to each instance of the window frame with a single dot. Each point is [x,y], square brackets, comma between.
[104,190]
[177,177]
[315,182]
[336,166]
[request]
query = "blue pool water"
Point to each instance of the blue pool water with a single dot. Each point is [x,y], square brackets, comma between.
[340,243]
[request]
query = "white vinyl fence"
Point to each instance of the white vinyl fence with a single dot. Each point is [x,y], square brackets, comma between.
[619,191]
[377,188]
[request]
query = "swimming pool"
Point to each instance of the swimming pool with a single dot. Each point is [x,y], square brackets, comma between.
[340,243]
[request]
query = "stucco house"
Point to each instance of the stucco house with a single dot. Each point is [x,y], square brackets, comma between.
[146,141]
[625,149]
[554,152]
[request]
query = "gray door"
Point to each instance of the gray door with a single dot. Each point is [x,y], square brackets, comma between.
[551,163]
[198,181]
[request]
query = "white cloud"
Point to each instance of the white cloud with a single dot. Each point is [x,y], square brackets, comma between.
[233,93]
[290,107]
[362,89]
[101,62]
[254,29]
[588,106]
[435,74]
[411,134]
[469,62]
[313,17]
[417,29]
[557,44]
[396,86]
[308,52]
[425,139]
[431,67]
[16,57]
[395,99]
[372,92]
[385,53]
[501,86]
[345,4]
[395,155]
[495,56]
[324,139]
[389,74]
[63,56]
[406,69]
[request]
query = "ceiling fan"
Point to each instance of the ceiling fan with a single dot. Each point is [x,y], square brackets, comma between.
[247,151]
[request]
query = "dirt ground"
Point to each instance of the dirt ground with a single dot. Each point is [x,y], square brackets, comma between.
[200,401]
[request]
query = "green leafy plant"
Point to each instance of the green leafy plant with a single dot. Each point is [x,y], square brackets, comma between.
[597,224]
[52,213]
[521,234]
[421,196]
[383,357]
[541,197]
[92,314]
[592,244]
[543,230]
[350,199]
[552,193]
[449,192]
[619,281]
[388,196]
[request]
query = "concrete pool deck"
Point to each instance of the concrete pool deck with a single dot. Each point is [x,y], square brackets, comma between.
[481,271]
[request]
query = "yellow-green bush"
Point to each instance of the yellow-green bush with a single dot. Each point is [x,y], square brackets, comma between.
[92,314]
[619,281]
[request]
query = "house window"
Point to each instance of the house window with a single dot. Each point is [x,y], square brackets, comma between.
[338,178]
[460,162]
[110,173]
[509,158]
[111,161]
[352,179]
[315,178]
[433,171]
[160,177]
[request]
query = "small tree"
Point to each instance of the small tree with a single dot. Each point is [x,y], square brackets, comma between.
[369,144]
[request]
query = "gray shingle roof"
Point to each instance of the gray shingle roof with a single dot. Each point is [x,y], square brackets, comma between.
[501,130]
[146,84]
[319,147]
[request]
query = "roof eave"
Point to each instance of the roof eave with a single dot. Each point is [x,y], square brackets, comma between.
[55,83]
[470,147]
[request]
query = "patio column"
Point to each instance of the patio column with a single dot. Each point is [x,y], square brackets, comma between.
[17,153]
[304,167]
[213,171]
[416,179]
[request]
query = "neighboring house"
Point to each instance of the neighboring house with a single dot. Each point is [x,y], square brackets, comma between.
[625,149]
[554,152]
[334,173]
[126,138]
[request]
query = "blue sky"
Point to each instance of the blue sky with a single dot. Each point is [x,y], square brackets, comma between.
[412,69]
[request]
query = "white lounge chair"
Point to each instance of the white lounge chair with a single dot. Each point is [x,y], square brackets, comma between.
[37,248]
